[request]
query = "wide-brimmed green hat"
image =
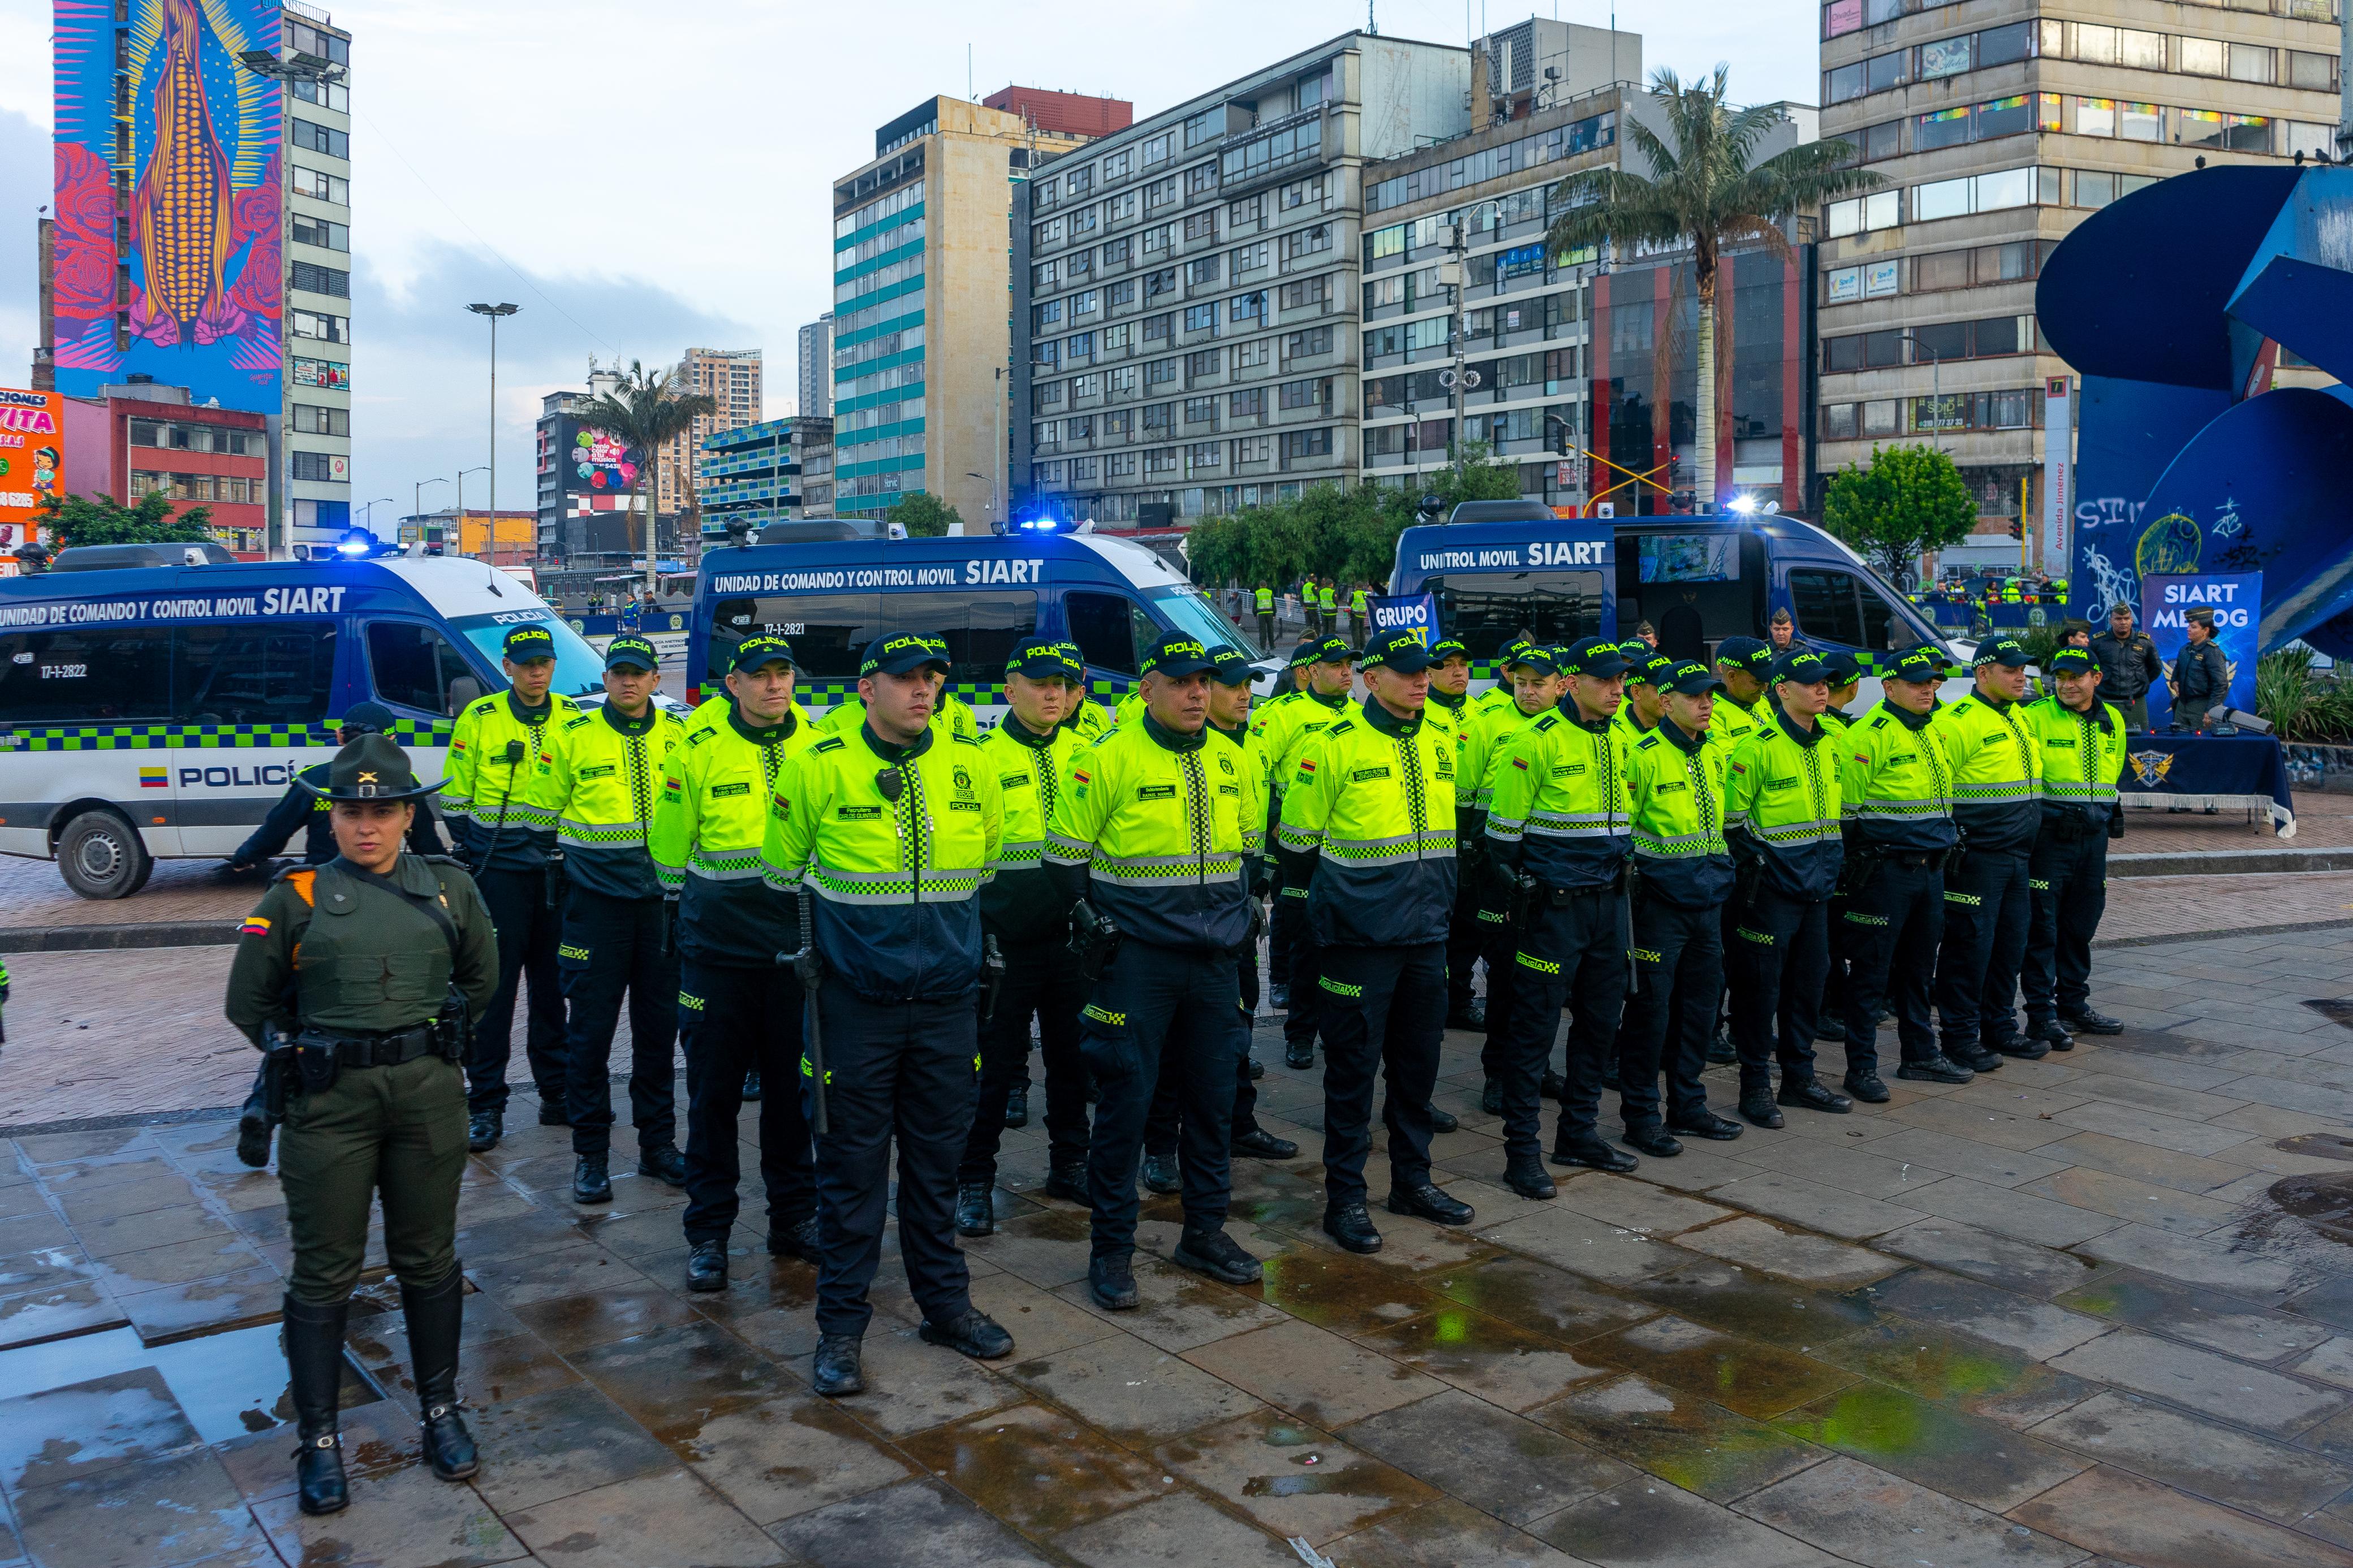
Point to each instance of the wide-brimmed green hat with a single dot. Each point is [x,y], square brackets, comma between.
[373,767]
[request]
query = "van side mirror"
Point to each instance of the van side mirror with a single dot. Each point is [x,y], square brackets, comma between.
[465,689]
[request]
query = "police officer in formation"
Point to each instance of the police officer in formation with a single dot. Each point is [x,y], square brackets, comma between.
[1530,687]
[603,770]
[1283,730]
[1149,833]
[1997,811]
[889,832]
[2081,743]
[1450,708]
[1369,830]
[501,810]
[739,1011]
[364,1029]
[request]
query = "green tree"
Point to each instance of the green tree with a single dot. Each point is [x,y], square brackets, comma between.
[923,515]
[644,413]
[1909,501]
[1704,191]
[101,520]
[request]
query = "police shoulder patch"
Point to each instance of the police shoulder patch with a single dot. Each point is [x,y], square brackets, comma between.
[485,707]
[1646,742]
[1342,728]
[830,744]
[963,740]
[1548,721]
[576,723]
[671,719]
[699,736]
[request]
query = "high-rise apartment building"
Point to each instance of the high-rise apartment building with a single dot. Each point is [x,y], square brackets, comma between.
[1187,286]
[814,368]
[1996,126]
[203,186]
[920,289]
[730,379]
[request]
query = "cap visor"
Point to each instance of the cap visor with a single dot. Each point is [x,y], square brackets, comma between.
[1177,669]
[1603,668]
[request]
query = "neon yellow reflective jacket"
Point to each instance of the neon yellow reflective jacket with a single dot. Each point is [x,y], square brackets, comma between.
[1153,819]
[897,915]
[1368,827]
[1733,723]
[1997,772]
[952,716]
[1088,721]
[1256,788]
[1265,600]
[606,771]
[1679,787]
[709,821]
[1895,784]
[1020,902]
[1560,807]
[1356,601]
[1131,706]
[496,796]
[1493,730]
[1781,803]
[1284,727]
[2083,756]
[1326,597]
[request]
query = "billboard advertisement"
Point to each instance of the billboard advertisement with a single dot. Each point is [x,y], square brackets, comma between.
[2237,600]
[168,249]
[600,463]
[32,458]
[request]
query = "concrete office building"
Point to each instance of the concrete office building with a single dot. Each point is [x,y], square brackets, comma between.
[1997,125]
[730,378]
[315,429]
[920,287]
[813,368]
[1187,286]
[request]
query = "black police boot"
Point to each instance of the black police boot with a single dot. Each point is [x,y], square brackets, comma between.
[1299,1053]
[1442,1121]
[1017,1106]
[590,1184]
[752,1087]
[1554,1086]
[2025,1047]
[1432,1204]
[1975,1058]
[1594,1153]
[1757,1107]
[1278,997]
[835,1370]
[1720,1051]
[1814,1095]
[1937,1069]
[663,1163]
[1491,1098]
[798,1240]
[1067,1179]
[314,1365]
[483,1131]
[976,1208]
[1707,1124]
[1256,1069]
[553,1115]
[2087,1022]
[437,1316]
[1160,1175]
[1216,1255]
[1526,1177]
[253,1131]
[706,1267]
[2052,1032]
[1260,1144]
[1352,1227]
[1112,1282]
[971,1332]
[1471,1014]
[1867,1088]
[1654,1140]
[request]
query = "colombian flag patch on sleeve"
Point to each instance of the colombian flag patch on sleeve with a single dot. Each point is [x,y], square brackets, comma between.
[254,925]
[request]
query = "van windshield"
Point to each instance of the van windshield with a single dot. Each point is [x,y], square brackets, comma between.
[578,671]
[1188,612]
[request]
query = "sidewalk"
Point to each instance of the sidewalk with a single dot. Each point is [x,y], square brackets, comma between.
[2053,1318]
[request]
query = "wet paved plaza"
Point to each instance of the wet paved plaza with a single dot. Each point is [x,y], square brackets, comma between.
[2094,1310]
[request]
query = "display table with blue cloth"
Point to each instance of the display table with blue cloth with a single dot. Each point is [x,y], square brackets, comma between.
[2197,772]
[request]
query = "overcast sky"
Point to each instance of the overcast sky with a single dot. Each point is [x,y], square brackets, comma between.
[640,178]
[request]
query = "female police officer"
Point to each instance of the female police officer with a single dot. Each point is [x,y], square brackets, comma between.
[362,972]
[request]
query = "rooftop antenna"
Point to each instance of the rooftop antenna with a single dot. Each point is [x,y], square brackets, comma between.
[1372,25]
[968,73]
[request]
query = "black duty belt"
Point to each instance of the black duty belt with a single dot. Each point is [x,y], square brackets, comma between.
[385,1051]
[1913,857]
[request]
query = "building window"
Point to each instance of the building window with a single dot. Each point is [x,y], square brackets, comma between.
[1249,209]
[1302,344]
[326,373]
[1313,392]
[1157,328]
[315,324]
[1201,318]
[315,419]
[1204,455]
[1081,181]
[1250,405]
[1861,215]
[1202,126]
[1206,269]
[319,185]
[1200,411]
[1304,292]
[1316,443]
[1207,363]
[1160,460]
[1200,178]
[1201,225]
[1160,373]
[323,139]
[1254,449]
[316,467]
[304,229]
[1306,241]
[1045,396]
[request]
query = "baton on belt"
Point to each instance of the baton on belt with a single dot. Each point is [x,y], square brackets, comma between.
[810,969]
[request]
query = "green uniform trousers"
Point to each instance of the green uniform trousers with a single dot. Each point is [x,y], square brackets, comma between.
[394,1132]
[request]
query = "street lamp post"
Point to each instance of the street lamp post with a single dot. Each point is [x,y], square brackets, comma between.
[367,511]
[1460,380]
[494,312]
[992,495]
[491,542]
[416,503]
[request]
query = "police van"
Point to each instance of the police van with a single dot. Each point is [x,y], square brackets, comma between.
[159,712]
[1506,569]
[829,598]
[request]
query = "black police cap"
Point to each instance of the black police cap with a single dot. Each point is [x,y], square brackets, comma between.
[1401,651]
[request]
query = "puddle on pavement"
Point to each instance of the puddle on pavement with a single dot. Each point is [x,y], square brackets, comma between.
[2318,1145]
[1337,1291]
[2335,1009]
[2323,1201]
[228,1384]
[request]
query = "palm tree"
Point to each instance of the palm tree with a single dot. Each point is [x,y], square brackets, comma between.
[644,413]
[1704,192]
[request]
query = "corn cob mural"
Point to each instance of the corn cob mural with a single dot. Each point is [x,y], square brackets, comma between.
[181,209]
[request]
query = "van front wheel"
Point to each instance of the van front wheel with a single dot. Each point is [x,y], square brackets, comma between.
[101,857]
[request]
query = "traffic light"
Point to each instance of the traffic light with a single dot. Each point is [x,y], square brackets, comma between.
[2018,528]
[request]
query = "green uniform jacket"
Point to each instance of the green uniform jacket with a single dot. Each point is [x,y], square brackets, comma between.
[1782,805]
[492,801]
[604,772]
[1679,798]
[1369,825]
[324,949]
[1020,902]
[2082,757]
[709,820]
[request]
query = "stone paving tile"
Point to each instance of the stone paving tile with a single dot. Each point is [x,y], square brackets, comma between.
[1339,1291]
[1582,1245]
[2038,1329]
[1793,1255]
[1294,1479]
[2190,1105]
[1973,1120]
[1499,1362]
[180,1509]
[2226,1389]
[1872,1517]
[787,1456]
[1535,1296]
[1318,1376]
[1994,1466]
[1177,1530]
[2202,1317]
[2164,1208]
[116,1420]
[203,1306]
[399,1519]
[669,1519]
[2144,1162]
[1814,1204]
[2107,1510]
[2196,1259]
[1635,1206]
[1180,1309]
[1443,1534]
[1748,1377]
[1756,1304]
[557,1442]
[2151,1127]
[2198,1455]
[1493,1459]
[1130,1389]
[2003,1260]
[1970,1374]
[1649,1525]
[1038,1469]
[2010,1212]
[916,1524]
[61,1311]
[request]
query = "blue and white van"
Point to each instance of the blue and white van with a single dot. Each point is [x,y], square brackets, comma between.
[159,712]
[1511,568]
[983,593]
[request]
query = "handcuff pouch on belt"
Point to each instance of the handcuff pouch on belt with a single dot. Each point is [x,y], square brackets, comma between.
[1095,941]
